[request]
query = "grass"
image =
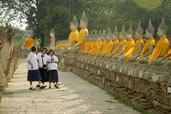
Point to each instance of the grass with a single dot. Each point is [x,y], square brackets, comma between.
[127,102]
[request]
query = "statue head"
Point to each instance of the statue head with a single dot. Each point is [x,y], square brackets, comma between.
[115,34]
[149,32]
[103,35]
[74,23]
[83,21]
[52,33]
[139,31]
[122,34]
[130,32]
[109,34]
[162,29]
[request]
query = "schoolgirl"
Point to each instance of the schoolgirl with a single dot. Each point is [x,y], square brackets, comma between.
[32,66]
[52,69]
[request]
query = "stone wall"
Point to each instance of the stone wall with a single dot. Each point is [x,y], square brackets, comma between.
[8,57]
[147,85]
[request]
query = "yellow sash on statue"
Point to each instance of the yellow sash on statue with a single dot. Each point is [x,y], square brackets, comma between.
[133,50]
[160,50]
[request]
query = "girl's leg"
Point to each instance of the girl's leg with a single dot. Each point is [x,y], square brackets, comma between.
[49,84]
[39,84]
[30,83]
[56,85]
[31,87]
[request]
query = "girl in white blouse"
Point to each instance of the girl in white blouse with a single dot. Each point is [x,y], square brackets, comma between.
[52,69]
[33,67]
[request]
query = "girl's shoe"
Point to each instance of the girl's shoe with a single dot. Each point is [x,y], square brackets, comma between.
[57,86]
[31,88]
[38,85]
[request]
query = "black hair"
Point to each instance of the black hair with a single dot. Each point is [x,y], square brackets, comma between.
[51,51]
[44,49]
[33,49]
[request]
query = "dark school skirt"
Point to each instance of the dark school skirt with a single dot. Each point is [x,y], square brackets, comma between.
[53,76]
[33,75]
[43,73]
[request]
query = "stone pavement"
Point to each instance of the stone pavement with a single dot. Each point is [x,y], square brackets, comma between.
[75,96]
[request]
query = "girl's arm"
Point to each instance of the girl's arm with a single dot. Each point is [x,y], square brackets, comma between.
[38,63]
[55,60]
[30,64]
[28,60]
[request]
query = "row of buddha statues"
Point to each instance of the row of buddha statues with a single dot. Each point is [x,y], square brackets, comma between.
[129,46]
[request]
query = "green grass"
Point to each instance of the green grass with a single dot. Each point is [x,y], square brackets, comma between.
[127,102]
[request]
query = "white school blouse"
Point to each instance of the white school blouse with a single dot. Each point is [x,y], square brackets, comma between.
[52,66]
[42,59]
[32,57]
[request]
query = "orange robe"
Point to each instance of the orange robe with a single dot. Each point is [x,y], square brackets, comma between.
[105,46]
[29,43]
[121,43]
[169,53]
[82,34]
[147,45]
[129,45]
[111,46]
[73,36]
[133,50]
[160,50]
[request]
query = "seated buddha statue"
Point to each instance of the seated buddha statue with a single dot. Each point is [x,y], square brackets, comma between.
[73,36]
[106,45]
[115,40]
[129,44]
[162,46]
[118,51]
[84,31]
[113,43]
[149,44]
[52,39]
[93,45]
[135,51]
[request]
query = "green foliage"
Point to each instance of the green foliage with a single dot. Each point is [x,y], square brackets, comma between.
[20,36]
[149,4]
[37,43]
[43,15]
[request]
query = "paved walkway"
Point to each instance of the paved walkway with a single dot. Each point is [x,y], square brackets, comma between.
[75,96]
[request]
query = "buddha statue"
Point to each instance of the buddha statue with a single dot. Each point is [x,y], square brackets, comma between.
[73,36]
[29,42]
[107,43]
[119,50]
[162,46]
[149,44]
[115,40]
[84,31]
[135,51]
[129,44]
[94,43]
[130,40]
[52,39]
